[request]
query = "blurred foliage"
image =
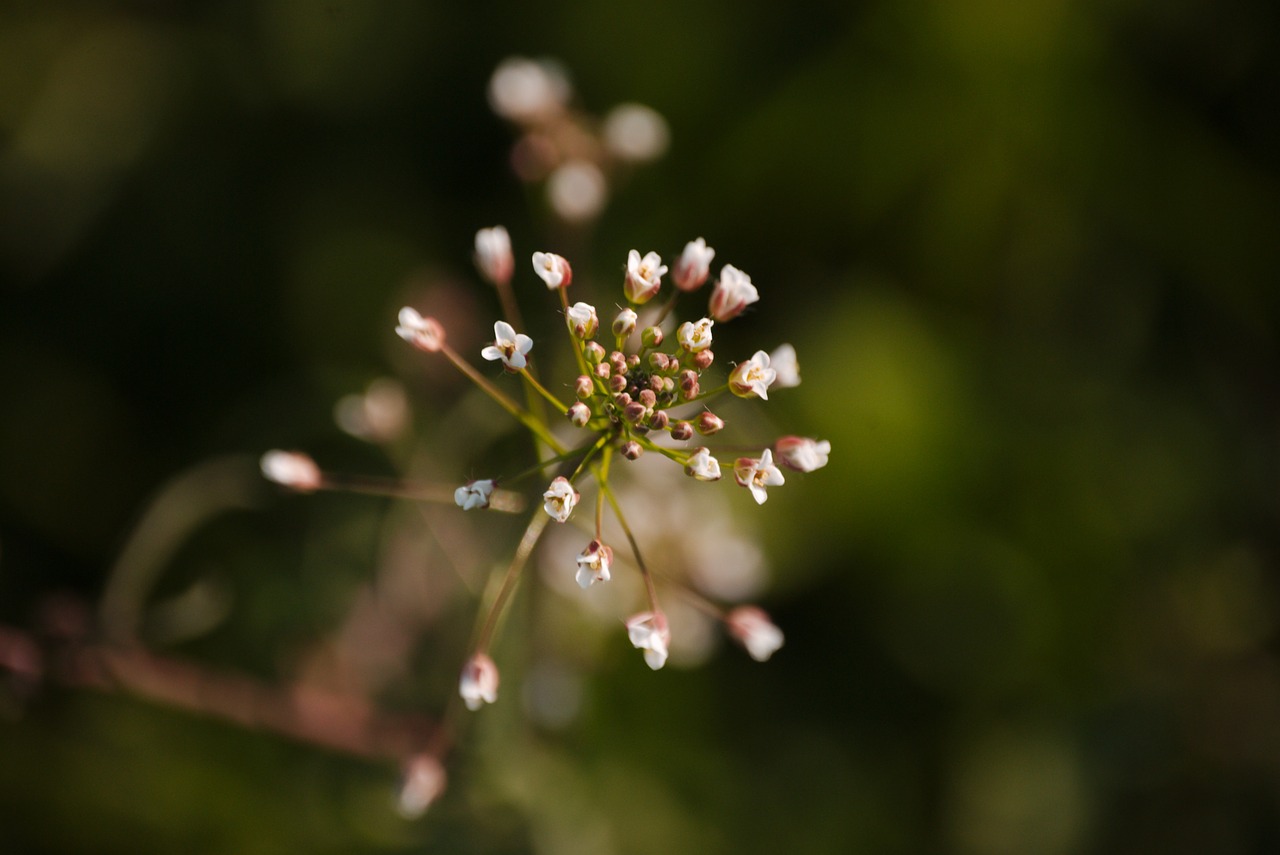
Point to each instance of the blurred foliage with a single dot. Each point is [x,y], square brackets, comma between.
[1027,253]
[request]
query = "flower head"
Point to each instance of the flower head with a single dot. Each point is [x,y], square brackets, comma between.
[733,293]
[560,499]
[493,255]
[552,269]
[695,337]
[693,266]
[644,276]
[479,682]
[783,361]
[648,632]
[423,333]
[291,469]
[753,377]
[757,474]
[801,453]
[702,465]
[625,323]
[474,494]
[594,563]
[582,320]
[509,346]
[752,629]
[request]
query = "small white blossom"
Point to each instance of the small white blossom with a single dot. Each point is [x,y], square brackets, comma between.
[783,361]
[594,563]
[733,293]
[422,783]
[582,320]
[754,631]
[379,415]
[648,631]
[577,190]
[635,133]
[509,346]
[702,465]
[552,269]
[479,682]
[560,499]
[625,323]
[291,469]
[423,333]
[474,494]
[756,475]
[644,276]
[493,255]
[753,377]
[695,336]
[693,266]
[801,453]
[524,90]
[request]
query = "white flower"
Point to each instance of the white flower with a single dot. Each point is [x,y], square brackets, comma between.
[802,454]
[509,346]
[625,323]
[379,415]
[422,783]
[783,361]
[635,132]
[695,337]
[755,475]
[423,333]
[754,631]
[577,190]
[474,494]
[479,682]
[560,499]
[702,465]
[753,377]
[693,266]
[648,632]
[291,469]
[594,563]
[493,255]
[644,276]
[582,320]
[733,293]
[522,89]
[552,269]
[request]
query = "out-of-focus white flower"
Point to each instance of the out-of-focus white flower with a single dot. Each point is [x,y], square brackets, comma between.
[648,632]
[636,133]
[422,783]
[695,336]
[702,465]
[801,453]
[479,682]
[379,415]
[523,89]
[753,377]
[594,563]
[583,320]
[625,323]
[291,469]
[508,346]
[754,631]
[783,361]
[577,190]
[693,266]
[644,276]
[552,269]
[756,475]
[733,292]
[493,255]
[423,333]
[560,499]
[474,494]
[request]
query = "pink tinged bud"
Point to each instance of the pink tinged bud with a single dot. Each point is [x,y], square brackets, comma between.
[493,255]
[291,469]
[423,333]
[634,412]
[582,320]
[733,293]
[552,269]
[657,384]
[659,361]
[644,276]
[647,397]
[633,361]
[652,337]
[783,361]
[594,563]
[625,323]
[423,780]
[702,465]
[632,450]
[753,377]
[474,495]
[752,629]
[801,453]
[708,423]
[659,420]
[508,346]
[604,371]
[594,353]
[702,359]
[617,383]
[479,683]
[618,360]
[682,432]
[648,632]
[560,499]
[583,387]
[579,414]
[695,336]
[693,266]
[756,475]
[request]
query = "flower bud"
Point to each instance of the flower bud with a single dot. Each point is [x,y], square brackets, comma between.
[553,270]
[292,469]
[682,431]
[621,400]
[632,450]
[422,781]
[493,255]
[659,361]
[594,352]
[689,384]
[619,362]
[708,423]
[583,387]
[582,320]
[634,411]
[657,383]
[617,383]
[651,337]
[659,420]
[752,629]
[625,323]
[733,292]
[647,397]
[693,266]
[423,333]
[603,370]
[479,683]
[633,360]
[802,454]
[702,359]
[579,414]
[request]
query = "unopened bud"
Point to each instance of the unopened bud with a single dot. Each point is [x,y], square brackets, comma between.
[625,323]
[618,360]
[603,370]
[651,337]
[659,361]
[594,352]
[647,397]
[423,333]
[633,360]
[632,450]
[708,423]
[682,431]
[617,383]
[291,469]
[702,359]
[659,420]
[493,255]
[582,320]
[657,383]
[634,411]
[583,387]
[621,400]
[579,414]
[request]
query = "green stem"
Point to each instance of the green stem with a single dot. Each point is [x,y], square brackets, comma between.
[635,548]
[527,375]
[538,428]
[527,542]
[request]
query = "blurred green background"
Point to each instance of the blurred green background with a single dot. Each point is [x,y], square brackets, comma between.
[1027,252]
